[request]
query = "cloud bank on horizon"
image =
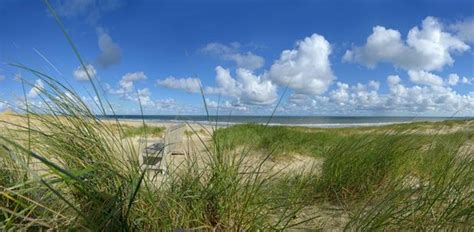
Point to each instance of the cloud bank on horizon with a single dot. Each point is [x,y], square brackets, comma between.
[407,72]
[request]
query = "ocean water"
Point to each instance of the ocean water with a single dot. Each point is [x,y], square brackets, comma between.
[305,121]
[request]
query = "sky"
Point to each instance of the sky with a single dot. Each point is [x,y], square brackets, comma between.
[342,58]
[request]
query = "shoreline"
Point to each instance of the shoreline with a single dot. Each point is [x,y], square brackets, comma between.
[327,123]
[281,120]
[167,123]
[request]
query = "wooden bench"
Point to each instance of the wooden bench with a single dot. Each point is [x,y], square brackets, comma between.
[152,155]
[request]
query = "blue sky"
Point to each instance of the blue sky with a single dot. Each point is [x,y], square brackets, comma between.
[336,57]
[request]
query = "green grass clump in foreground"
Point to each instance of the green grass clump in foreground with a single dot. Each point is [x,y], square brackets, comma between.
[438,197]
[358,165]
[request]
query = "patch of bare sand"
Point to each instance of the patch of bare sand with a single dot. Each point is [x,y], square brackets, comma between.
[325,217]
[293,164]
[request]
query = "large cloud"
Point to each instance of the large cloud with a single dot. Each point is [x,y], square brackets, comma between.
[428,48]
[248,88]
[256,89]
[231,52]
[226,84]
[110,52]
[305,69]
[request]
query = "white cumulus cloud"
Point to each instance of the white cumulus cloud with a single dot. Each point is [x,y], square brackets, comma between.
[425,78]
[427,48]
[247,87]
[81,75]
[256,89]
[142,96]
[305,69]
[226,84]
[126,85]
[393,80]
[374,84]
[453,79]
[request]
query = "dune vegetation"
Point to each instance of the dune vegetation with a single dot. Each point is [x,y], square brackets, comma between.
[77,172]
[415,176]
[144,130]
[63,167]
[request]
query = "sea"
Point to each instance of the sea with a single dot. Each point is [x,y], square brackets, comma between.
[303,121]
